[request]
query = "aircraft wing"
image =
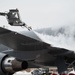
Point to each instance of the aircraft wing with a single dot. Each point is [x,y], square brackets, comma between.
[21,42]
[29,47]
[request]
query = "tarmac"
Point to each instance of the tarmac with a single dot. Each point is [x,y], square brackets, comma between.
[52,71]
[29,70]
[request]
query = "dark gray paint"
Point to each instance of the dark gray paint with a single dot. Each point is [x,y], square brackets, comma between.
[28,46]
[21,42]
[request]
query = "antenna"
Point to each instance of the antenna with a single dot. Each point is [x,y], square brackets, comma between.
[13,18]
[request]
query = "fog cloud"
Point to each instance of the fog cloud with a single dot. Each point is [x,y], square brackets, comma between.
[63,37]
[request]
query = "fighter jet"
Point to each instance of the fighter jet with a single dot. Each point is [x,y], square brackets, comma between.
[27,50]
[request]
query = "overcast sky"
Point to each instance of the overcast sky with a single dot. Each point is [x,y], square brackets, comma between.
[42,13]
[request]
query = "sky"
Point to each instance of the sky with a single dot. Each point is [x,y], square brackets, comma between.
[41,13]
[44,14]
